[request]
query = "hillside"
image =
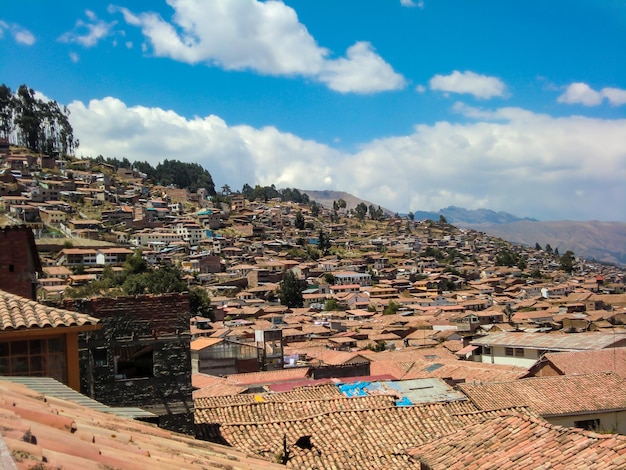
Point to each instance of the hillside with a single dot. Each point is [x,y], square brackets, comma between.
[326,198]
[594,240]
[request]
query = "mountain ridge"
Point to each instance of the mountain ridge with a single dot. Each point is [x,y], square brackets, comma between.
[594,240]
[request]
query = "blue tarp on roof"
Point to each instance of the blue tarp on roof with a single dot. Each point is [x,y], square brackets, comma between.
[356,389]
[404,401]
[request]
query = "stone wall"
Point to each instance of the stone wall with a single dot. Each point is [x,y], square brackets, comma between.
[141,356]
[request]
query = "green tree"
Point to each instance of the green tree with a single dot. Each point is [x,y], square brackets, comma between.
[537,246]
[443,220]
[567,261]
[331,304]
[7,107]
[290,291]
[324,242]
[200,303]
[163,280]
[360,210]
[391,308]
[135,264]
[315,209]
[299,222]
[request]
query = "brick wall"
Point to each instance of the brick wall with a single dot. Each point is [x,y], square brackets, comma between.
[19,261]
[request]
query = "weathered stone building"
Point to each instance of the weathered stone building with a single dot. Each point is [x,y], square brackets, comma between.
[141,356]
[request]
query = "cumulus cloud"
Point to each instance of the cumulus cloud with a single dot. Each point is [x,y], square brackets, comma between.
[265,37]
[504,159]
[234,155]
[581,93]
[20,35]
[88,33]
[480,86]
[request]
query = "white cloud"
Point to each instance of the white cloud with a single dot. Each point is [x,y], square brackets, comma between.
[20,35]
[581,93]
[363,71]
[508,159]
[420,88]
[412,4]
[616,96]
[265,37]
[87,34]
[74,57]
[481,86]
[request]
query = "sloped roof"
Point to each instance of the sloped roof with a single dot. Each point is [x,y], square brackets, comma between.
[551,341]
[363,436]
[41,430]
[17,313]
[514,441]
[588,362]
[551,396]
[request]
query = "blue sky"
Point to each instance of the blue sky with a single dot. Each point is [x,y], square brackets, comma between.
[413,105]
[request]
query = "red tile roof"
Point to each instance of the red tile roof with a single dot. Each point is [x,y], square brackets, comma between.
[42,431]
[513,442]
[588,362]
[21,313]
[551,396]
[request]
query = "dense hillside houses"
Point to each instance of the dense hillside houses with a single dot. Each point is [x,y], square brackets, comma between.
[327,338]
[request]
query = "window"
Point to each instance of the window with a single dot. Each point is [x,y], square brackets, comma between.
[133,361]
[487,350]
[34,358]
[516,352]
[588,424]
[100,357]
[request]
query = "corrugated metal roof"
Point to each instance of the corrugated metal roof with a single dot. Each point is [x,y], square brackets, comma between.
[53,388]
[556,342]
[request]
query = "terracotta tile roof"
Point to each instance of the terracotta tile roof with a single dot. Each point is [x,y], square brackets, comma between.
[41,431]
[262,412]
[515,441]
[340,438]
[315,392]
[410,363]
[269,376]
[551,396]
[588,362]
[21,313]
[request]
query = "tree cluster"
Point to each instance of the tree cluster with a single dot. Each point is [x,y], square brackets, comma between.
[191,176]
[265,193]
[31,122]
[509,258]
[138,278]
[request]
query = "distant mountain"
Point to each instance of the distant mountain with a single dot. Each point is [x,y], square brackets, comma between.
[326,199]
[593,240]
[457,215]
